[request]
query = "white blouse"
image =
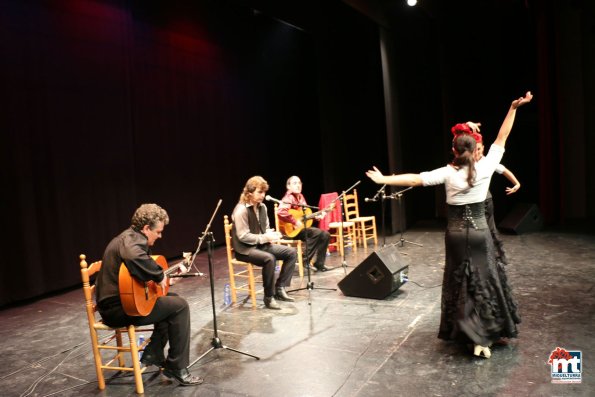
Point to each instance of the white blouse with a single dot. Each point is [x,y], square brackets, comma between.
[458,191]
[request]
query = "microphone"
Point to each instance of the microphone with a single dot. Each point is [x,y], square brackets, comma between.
[186,275]
[269,198]
[375,198]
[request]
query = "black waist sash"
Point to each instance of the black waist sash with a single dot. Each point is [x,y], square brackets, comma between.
[467,215]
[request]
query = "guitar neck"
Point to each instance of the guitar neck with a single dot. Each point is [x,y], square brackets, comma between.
[312,216]
[172,269]
[315,214]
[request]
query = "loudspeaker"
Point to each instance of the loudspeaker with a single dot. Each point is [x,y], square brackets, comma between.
[378,276]
[524,218]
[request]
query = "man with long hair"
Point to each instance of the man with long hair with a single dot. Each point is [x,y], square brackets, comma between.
[252,240]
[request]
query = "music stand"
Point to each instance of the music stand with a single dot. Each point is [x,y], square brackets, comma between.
[215,342]
[399,197]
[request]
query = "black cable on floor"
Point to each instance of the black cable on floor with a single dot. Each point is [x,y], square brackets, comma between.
[423,286]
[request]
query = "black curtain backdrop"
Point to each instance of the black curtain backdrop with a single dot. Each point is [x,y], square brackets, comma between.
[110,104]
[107,105]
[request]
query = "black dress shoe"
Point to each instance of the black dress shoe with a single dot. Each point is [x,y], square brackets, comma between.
[282,295]
[149,359]
[322,268]
[271,303]
[183,376]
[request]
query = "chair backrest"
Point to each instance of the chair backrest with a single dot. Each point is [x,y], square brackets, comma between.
[350,205]
[88,271]
[227,226]
[240,270]
[276,217]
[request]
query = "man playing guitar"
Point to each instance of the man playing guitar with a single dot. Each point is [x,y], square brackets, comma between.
[289,214]
[170,315]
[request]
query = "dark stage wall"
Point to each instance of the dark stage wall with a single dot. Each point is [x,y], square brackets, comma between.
[110,104]
[107,105]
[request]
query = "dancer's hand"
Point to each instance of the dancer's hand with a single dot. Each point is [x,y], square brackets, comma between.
[375,175]
[474,126]
[522,100]
[514,189]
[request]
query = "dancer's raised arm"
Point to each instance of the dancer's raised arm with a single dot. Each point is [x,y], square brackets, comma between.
[509,119]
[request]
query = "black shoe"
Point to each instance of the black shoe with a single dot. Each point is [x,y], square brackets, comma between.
[271,303]
[322,268]
[183,376]
[282,295]
[312,268]
[149,359]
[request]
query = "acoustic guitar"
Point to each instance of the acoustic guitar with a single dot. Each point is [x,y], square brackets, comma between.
[139,297]
[306,217]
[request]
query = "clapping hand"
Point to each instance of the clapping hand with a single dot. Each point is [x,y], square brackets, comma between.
[273,235]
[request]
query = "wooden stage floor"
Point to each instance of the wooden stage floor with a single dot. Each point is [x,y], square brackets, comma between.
[327,344]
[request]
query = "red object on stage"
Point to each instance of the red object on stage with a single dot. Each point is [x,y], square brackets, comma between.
[333,216]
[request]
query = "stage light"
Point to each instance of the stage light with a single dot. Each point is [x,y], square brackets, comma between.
[411,3]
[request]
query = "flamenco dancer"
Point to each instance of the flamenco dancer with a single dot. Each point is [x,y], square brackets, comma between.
[477,302]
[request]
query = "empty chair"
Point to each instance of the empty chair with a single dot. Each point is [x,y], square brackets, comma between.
[342,232]
[365,226]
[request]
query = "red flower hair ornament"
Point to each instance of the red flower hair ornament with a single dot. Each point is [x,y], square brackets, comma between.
[463,128]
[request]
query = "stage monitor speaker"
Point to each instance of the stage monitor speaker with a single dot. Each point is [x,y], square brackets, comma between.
[524,218]
[378,276]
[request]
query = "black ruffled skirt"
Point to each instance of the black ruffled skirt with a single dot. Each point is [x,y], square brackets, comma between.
[477,301]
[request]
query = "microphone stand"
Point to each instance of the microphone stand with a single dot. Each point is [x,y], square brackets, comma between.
[215,342]
[342,252]
[201,239]
[399,197]
[310,284]
[382,196]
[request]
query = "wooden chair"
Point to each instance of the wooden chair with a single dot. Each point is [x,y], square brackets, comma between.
[123,352]
[365,226]
[240,270]
[342,236]
[342,233]
[297,244]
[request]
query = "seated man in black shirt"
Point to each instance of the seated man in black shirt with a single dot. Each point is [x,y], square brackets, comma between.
[170,315]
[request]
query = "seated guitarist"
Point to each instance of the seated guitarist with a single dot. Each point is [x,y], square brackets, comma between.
[316,240]
[170,315]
